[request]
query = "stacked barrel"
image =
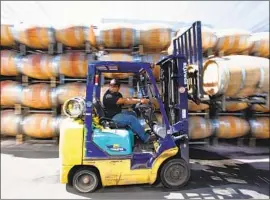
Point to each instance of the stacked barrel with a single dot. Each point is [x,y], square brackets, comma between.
[42,66]
[236,68]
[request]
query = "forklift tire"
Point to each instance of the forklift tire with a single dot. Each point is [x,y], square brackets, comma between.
[175,173]
[85,180]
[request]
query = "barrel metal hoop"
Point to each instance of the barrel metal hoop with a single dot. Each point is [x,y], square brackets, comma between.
[222,80]
[243,79]
[123,37]
[137,36]
[261,82]
[53,96]
[99,38]
[43,65]
[56,65]
[51,34]
[220,42]
[232,40]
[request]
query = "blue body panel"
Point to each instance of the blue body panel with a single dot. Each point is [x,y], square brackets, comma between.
[114,142]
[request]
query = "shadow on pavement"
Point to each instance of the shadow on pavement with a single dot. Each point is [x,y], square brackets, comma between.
[26,150]
[219,178]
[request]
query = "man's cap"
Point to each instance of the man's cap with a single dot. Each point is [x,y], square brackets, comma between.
[115,82]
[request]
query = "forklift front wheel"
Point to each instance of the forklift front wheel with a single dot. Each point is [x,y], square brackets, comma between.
[175,173]
[85,181]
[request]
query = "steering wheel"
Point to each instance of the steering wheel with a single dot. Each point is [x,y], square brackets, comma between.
[146,110]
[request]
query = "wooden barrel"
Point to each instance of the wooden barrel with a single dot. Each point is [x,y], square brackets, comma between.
[117,57]
[40,96]
[10,123]
[125,90]
[37,37]
[42,126]
[9,61]
[232,41]
[91,34]
[155,37]
[228,127]
[260,108]
[199,128]
[69,90]
[236,76]
[209,38]
[38,66]
[192,106]
[113,35]
[7,39]
[72,36]
[260,128]
[235,106]
[10,93]
[259,44]
[73,64]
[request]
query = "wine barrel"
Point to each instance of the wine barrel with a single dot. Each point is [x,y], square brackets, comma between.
[113,35]
[236,106]
[10,123]
[42,126]
[7,39]
[236,76]
[72,36]
[199,128]
[209,38]
[10,93]
[91,35]
[125,90]
[259,44]
[40,96]
[37,37]
[228,127]
[155,37]
[39,66]
[232,41]
[192,106]
[69,90]
[260,108]
[117,57]
[260,128]
[9,61]
[73,64]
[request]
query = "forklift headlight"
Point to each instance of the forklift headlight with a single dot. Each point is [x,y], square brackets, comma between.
[74,107]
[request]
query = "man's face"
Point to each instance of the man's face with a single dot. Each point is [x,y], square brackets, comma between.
[114,88]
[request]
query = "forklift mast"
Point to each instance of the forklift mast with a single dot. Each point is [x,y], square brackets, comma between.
[177,83]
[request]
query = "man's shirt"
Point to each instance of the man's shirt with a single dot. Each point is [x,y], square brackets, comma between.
[109,102]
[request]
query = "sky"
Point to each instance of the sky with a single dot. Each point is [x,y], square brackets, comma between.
[249,15]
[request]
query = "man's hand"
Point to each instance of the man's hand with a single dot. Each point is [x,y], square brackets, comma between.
[144,101]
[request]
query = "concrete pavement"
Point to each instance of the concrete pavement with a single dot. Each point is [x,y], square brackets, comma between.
[222,172]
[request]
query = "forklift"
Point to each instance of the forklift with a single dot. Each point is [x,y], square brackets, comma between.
[96,151]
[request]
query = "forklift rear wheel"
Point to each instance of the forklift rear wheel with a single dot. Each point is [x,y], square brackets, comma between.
[175,173]
[85,180]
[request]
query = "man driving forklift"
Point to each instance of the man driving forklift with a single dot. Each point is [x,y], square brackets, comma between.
[113,101]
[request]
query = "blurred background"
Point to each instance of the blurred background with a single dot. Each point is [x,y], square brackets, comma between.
[45,47]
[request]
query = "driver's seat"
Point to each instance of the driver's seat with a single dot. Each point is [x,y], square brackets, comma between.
[102,117]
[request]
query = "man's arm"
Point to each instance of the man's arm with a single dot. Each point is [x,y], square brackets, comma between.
[131,101]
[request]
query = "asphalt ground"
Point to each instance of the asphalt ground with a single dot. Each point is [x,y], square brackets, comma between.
[218,172]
